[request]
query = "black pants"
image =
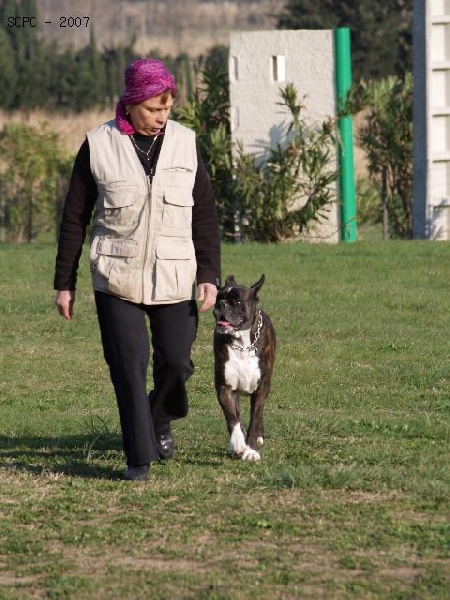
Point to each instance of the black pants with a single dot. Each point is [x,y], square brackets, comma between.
[126,348]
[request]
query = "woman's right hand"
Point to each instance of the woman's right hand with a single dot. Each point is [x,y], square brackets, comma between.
[64,301]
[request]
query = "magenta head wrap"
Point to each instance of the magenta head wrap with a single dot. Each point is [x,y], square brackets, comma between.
[144,78]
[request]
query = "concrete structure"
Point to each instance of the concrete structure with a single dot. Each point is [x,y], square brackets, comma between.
[431,57]
[261,63]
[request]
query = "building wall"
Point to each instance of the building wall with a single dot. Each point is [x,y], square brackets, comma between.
[263,62]
[431,113]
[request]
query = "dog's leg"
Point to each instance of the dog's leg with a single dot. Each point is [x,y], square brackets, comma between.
[238,445]
[252,436]
[255,432]
[230,404]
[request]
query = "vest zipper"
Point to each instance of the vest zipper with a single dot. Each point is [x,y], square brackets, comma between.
[149,242]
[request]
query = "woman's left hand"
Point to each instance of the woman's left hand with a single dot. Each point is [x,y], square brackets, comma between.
[207,293]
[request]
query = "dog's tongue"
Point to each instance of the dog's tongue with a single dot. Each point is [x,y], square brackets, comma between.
[226,324]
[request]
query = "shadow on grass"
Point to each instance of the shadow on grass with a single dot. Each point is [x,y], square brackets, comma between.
[84,456]
[75,456]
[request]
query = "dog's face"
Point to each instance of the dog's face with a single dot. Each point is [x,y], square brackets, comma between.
[236,304]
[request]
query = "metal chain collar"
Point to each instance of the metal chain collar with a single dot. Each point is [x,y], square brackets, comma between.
[257,334]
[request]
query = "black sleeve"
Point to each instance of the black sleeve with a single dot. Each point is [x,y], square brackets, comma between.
[78,207]
[205,228]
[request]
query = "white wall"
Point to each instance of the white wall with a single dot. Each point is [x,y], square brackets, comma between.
[431,112]
[263,62]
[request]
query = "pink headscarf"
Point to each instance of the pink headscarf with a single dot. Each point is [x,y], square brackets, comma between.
[144,78]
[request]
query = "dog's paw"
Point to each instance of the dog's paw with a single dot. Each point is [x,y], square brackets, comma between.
[250,454]
[237,441]
[260,440]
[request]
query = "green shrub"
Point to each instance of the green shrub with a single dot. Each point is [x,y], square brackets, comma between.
[386,136]
[270,201]
[30,167]
[292,189]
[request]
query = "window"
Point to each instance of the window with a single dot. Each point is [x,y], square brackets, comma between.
[278,68]
[234,70]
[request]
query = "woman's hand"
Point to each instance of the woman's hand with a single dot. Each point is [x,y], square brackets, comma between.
[64,301]
[207,293]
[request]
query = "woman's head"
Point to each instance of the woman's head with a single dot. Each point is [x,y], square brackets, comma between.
[145,79]
[150,116]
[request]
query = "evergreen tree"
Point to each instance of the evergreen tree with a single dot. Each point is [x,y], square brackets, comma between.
[64,75]
[42,65]
[28,57]
[381,31]
[112,74]
[115,61]
[8,74]
[27,34]
[185,76]
[97,72]
[33,74]
[82,92]
[8,8]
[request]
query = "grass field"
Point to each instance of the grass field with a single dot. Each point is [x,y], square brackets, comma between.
[351,497]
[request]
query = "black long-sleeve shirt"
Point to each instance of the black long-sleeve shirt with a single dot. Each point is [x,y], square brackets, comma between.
[81,199]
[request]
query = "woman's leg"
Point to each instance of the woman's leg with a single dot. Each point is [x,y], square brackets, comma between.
[173,328]
[126,349]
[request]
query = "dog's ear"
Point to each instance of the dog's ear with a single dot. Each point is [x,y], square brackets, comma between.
[258,285]
[230,280]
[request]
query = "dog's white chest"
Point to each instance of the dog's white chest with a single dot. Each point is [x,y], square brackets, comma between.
[242,370]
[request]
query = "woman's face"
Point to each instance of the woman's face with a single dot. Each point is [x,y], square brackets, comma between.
[150,116]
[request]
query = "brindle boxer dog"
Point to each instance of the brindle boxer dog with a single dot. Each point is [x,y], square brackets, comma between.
[244,353]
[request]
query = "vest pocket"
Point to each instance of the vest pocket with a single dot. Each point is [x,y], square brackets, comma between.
[175,269]
[118,194]
[112,266]
[177,208]
[120,206]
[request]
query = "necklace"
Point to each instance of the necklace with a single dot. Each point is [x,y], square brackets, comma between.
[146,154]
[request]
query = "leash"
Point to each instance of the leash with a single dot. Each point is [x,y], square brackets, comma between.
[257,334]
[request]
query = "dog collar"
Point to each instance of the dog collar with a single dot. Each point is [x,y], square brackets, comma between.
[252,347]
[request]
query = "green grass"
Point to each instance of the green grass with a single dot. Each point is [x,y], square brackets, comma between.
[351,497]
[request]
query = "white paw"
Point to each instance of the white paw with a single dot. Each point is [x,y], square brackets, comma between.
[260,440]
[237,441]
[250,454]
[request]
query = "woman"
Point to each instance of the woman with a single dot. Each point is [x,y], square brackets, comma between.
[155,232]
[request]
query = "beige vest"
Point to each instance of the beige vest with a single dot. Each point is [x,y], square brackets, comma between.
[141,241]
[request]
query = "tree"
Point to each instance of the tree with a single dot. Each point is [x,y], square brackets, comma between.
[63,80]
[33,75]
[8,75]
[96,90]
[27,35]
[381,30]
[8,8]
[115,61]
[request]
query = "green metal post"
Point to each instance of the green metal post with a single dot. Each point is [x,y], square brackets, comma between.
[346,164]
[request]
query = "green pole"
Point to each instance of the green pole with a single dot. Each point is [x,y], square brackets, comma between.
[347,174]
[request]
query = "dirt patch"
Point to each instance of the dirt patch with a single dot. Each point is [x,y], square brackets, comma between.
[157,564]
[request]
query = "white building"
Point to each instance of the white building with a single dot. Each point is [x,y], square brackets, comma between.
[431,56]
[263,62]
